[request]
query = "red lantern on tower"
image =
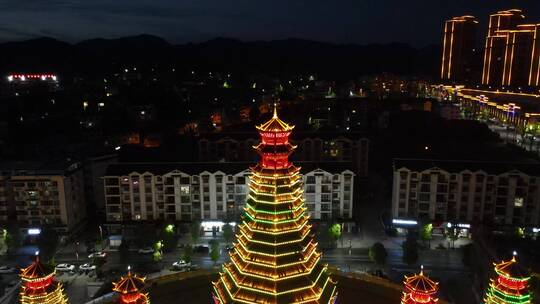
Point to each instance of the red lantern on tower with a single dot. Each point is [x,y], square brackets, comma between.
[420,289]
[129,288]
[39,285]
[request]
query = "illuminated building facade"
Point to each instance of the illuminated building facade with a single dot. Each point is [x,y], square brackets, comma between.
[495,48]
[467,191]
[519,110]
[510,286]
[459,46]
[129,289]
[39,285]
[275,259]
[512,52]
[521,51]
[420,289]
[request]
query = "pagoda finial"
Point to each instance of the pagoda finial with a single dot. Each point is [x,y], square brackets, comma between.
[129,270]
[514,254]
[275,110]
[421,269]
[37,255]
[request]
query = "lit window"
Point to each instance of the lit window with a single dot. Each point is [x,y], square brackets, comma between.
[184,190]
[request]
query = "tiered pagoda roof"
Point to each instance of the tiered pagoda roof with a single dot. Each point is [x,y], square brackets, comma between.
[39,285]
[511,284]
[275,124]
[420,289]
[129,288]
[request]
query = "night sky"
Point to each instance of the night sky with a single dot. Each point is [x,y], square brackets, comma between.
[418,22]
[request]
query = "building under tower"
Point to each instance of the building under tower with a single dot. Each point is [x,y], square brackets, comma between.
[275,259]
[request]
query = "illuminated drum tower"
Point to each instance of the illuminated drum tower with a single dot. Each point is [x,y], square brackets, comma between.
[275,259]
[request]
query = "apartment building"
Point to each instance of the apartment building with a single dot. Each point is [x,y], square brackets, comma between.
[311,147]
[34,195]
[213,191]
[467,191]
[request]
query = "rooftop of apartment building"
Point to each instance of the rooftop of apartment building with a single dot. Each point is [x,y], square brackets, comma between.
[159,168]
[489,167]
[39,168]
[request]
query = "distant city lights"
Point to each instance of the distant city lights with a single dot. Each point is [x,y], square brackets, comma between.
[24,77]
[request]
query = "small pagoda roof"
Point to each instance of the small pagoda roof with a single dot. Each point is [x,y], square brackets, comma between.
[421,283]
[275,124]
[129,284]
[511,269]
[35,271]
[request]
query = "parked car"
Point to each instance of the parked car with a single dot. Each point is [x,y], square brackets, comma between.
[98,254]
[6,269]
[87,267]
[201,249]
[65,267]
[180,265]
[146,250]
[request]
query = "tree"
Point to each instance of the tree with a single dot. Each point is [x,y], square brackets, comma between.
[534,287]
[468,255]
[187,253]
[158,251]
[3,241]
[195,231]
[214,250]
[47,243]
[453,235]
[169,237]
[334,231]
[228,233]
[410,251]
[146,236]
[99,262]
[123,250]
[14,239]
[378,254]
[426,233]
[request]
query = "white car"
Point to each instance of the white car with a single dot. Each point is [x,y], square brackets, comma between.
[65,267]
[181,265]
[87,267]
[6,269]
[98,254]
[146,250]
